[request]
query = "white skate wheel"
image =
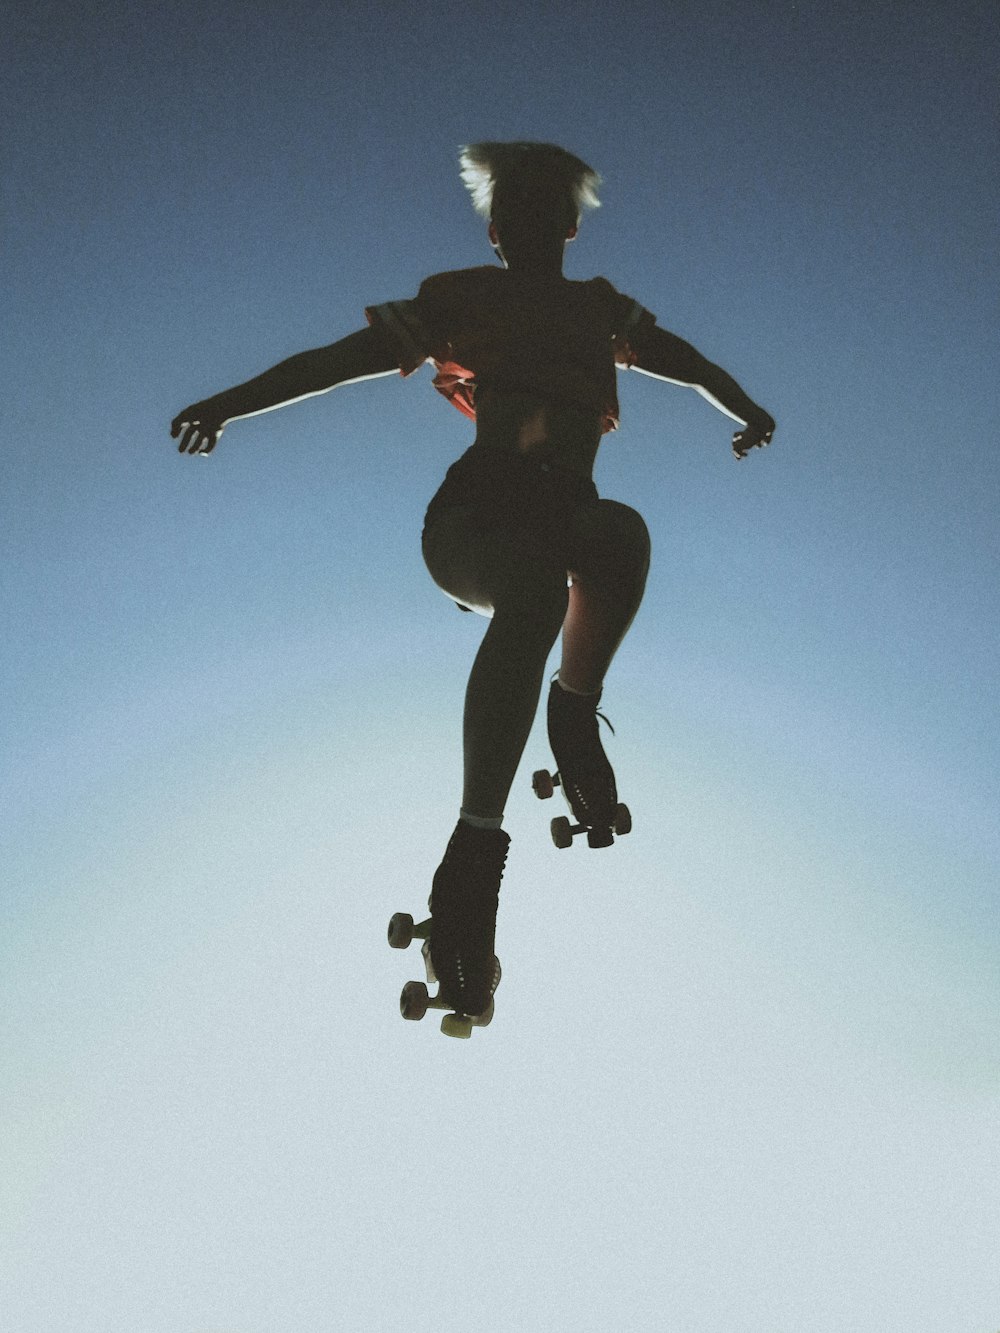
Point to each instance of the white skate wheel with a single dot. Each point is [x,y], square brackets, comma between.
[456,1025]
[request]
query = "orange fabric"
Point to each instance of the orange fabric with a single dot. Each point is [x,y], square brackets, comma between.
[517,331]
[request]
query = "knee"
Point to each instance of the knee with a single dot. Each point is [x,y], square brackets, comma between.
[612,539]
[625,528]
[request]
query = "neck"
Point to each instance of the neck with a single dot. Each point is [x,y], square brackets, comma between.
[547,259]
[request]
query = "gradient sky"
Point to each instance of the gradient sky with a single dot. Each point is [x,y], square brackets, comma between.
[744,1067]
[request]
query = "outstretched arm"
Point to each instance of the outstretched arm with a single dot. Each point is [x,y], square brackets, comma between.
[360,356]
[667,357]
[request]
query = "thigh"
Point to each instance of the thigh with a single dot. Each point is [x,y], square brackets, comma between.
[608,540]
[485,565]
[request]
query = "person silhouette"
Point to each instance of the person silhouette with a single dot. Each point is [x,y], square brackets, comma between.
[517,531]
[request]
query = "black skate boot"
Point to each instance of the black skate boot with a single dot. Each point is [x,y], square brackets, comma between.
[459,934]
[463,903]
[586,777]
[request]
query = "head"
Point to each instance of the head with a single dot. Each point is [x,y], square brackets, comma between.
[533,195]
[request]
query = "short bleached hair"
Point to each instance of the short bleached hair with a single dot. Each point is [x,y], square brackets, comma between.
[527,169]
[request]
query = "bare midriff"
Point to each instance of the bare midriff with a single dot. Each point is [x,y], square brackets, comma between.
[557,433]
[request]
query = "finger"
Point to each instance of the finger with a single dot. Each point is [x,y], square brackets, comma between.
[184,418]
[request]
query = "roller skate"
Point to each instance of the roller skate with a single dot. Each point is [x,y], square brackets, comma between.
[459,936]
[586,777]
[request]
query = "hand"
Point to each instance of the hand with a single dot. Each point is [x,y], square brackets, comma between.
[756,434]
[199,427]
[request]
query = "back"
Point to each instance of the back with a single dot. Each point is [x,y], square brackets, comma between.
[517,331]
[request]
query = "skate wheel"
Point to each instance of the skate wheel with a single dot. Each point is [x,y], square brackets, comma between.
[562,832]
[623,821]
[400,931]
[456,1025]
[413,1001]
[486,1017]
[542,784]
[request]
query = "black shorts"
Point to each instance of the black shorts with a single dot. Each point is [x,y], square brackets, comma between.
[514,491]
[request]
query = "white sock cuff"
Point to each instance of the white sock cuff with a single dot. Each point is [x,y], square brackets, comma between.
[580,694]
[478,821]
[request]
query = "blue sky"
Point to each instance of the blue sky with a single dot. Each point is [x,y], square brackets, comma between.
[743,1069]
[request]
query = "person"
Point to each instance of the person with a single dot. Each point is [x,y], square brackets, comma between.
[517,531]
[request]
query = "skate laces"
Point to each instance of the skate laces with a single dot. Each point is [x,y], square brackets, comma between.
[587,777]
[464,902]
[578,703]
[480,851]
[576,713]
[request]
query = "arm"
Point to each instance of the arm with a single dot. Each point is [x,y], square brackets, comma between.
[667,357]
[360,356]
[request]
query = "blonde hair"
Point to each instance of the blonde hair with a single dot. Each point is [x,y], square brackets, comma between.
[541,172]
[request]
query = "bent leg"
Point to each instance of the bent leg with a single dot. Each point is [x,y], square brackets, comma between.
[609,564]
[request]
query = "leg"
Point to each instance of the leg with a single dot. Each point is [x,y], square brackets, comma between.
[505,575]
[522,587]
[609,562]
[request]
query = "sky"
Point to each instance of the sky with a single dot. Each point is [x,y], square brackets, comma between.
[743,1072]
